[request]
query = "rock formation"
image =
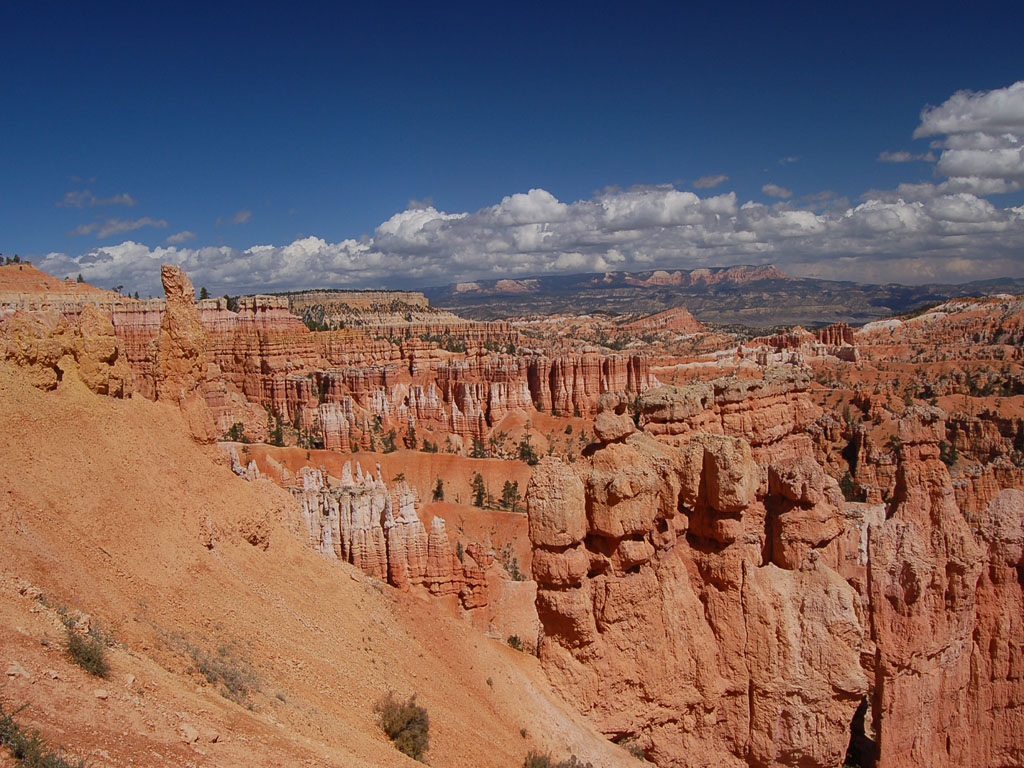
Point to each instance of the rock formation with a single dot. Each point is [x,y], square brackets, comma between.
[712,596]
[45,347]
[357,518]
[182,355]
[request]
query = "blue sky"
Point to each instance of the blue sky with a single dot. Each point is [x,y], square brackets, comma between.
[283,147]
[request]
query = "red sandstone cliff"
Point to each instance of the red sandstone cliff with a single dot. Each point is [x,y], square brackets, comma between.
[713,596]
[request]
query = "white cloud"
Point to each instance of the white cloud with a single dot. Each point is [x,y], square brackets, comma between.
[983,144]
[116,226]
[930,238]
[902,156]
[944,230]
[988,112]
[83,198]
[241,217]
[707,182]
[181,237]
[774,190]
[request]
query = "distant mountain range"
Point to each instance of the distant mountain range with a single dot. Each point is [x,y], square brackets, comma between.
[759,296]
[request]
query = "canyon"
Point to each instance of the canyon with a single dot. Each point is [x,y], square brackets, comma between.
[795,548]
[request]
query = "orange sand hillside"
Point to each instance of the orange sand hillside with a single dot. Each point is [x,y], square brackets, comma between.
[106,507]
[25,278]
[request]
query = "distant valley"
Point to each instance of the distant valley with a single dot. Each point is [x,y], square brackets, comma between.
[743,295]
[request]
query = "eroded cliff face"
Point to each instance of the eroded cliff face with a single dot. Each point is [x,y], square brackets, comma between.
[46,347]
[446,378]
[357,518]
[704,589]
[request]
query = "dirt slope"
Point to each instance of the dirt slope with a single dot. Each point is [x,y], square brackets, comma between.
[106,507]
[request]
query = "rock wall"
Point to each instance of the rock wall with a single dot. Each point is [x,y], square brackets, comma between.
[712,596]
[358,519]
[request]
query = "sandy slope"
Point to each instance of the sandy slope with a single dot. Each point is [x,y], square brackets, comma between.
[107,507]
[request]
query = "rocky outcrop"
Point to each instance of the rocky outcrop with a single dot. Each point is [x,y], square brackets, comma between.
[676,319]
[720,603]
[835,335]
[687,603]
[995,718]
[924,566]
[46,346]
[357,518]
[761,411]
[978,484]
[182,354]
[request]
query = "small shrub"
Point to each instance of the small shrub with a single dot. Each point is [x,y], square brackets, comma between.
[406,723]
[539,760]
[28,748]
[636,751]
[235,679]
[88,652]
[510,562]
[515,643]
[948,453]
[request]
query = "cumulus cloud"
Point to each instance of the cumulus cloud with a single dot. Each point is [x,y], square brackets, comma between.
[983,144]
[707,182]
[112,227]
[987,112]
[84,198]
[944,230]
[902,156]
[181,237]
[774,190]
[942,237]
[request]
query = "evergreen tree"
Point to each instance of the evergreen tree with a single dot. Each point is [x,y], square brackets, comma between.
[438,491]
[478,489]
[510,495]
[526,451]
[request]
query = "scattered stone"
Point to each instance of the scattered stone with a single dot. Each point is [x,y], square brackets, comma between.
[16,670]
[101,693]
[189,735]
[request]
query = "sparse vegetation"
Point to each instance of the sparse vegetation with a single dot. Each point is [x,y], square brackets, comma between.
[234,679]
[542,760]
[406,723]
[236,433]
[526,451]
[478,489]
[948,453]
[509,562]
[515,643]
[88,651]
[636,751]
[510,497]
[438,494]
[28,748]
